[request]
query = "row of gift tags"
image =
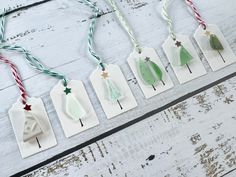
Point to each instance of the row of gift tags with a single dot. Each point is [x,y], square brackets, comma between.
[74,109]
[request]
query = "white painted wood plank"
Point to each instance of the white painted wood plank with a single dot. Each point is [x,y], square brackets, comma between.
[60,41]
[195,137]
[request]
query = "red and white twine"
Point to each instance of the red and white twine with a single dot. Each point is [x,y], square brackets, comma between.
[196,13]
[17,78]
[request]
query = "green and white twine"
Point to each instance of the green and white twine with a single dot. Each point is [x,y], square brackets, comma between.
[168,19]
[2,27]
[91,30]
[125,24]
[33,61]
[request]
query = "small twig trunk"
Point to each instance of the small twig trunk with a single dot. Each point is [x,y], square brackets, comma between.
[38,142]
[154,88]
[119,104]
[163,82]
[189,69]
[221,56]
[81,123]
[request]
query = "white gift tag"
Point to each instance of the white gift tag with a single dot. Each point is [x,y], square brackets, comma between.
[22,122]
[148,91]
[87,117]
[116,77]
[193,69]
[215,59]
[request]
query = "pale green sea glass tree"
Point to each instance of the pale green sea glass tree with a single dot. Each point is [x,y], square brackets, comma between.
[113,91]
[73,107]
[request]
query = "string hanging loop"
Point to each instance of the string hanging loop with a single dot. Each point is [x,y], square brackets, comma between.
[126,26]
[197,15]
[167,18]
[32,60]
[96,14]
[17,78]
[2,25]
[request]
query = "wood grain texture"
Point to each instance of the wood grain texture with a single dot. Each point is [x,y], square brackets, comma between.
[56,32]
[192,138]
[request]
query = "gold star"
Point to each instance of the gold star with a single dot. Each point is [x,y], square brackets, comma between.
[207,33]
[104,75]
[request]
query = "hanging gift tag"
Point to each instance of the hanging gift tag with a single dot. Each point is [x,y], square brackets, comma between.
[73,107]
[183,58]
[149,72]
[32,128]
[214,47]
[112,90]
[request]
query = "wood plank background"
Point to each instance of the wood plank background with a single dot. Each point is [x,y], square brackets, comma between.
[55,31]
[186,139]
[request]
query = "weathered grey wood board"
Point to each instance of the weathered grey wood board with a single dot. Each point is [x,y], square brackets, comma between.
[55,31]
[192,138]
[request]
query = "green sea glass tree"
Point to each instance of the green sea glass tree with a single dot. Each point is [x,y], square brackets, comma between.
[73,107]
[216,45]
[185,57]
[113,91]
[150,72]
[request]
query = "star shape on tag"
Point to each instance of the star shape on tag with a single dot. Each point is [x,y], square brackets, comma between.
[104,75]
[27,107]
[178,43]
[147,59]
[67,90]
[207,33]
